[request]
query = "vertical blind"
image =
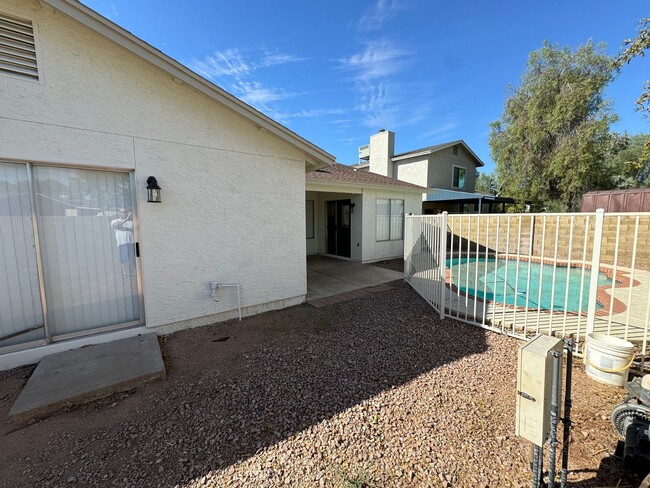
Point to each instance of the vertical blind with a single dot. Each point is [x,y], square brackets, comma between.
[87,284]
[396,220]
[20,301]
[389,219]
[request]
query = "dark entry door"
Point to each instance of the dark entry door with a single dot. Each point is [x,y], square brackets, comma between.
[343,234]
[339,235]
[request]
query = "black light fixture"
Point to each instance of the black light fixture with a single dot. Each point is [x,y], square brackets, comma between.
[153,190]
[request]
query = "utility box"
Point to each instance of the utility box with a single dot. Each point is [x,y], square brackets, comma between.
[534,386]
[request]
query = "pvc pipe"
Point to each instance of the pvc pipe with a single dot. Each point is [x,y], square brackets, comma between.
[215,285]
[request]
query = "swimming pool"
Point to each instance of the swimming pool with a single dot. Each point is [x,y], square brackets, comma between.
[498,280]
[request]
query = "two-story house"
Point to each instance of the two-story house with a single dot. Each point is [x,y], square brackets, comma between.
[447,170]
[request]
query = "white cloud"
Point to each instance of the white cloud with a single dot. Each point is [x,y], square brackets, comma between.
[379,59]
[114,11]
[444,129]
[315,112]
[234,69]
[384,99]
[240,63]
[258,95]
[273,59]
[378,14]
[226,63]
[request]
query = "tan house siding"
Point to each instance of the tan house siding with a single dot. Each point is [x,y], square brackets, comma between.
[441,165]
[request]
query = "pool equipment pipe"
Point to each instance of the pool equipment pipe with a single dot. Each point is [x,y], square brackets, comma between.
[557,357]
[566,419]
[632,421]
[538,465]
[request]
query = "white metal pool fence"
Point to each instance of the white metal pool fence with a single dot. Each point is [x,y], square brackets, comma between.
[564,275]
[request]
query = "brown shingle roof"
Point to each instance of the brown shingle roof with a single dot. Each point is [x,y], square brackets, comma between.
[347,174]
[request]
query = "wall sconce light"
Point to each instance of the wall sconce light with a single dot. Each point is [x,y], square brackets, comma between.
[153,190]
[352,205]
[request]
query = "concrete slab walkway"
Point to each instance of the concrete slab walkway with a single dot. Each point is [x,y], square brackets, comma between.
[85,374]
[329,276]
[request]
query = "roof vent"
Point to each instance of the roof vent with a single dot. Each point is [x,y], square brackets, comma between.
[17,47]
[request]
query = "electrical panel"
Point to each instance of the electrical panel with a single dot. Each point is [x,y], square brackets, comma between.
[534,386]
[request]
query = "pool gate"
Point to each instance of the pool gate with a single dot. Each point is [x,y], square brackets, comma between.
[561,274]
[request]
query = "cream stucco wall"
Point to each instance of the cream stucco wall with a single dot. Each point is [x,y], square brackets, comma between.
[415,170]
[233,196]
[374,250]
[381,150]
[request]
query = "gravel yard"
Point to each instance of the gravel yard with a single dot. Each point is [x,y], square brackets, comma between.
[376,391]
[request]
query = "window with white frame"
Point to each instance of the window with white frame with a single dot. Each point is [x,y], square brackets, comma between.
[458,179]
[389,214]
[309,215]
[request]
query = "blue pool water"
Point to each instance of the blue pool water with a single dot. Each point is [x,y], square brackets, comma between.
[503,284]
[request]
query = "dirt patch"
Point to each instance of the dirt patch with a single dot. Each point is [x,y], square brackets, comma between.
[394,264]
[376,391]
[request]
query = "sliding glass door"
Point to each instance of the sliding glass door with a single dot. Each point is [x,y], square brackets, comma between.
[21,317]
[80,253]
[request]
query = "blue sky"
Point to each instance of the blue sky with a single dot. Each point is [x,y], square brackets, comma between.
[338,71]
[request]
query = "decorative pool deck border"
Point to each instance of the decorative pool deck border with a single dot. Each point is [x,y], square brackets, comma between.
[621,278]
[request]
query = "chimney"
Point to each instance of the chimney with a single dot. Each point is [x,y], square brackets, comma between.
[382,149]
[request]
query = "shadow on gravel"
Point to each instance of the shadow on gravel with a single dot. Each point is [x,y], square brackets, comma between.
[610,474]
[277,374]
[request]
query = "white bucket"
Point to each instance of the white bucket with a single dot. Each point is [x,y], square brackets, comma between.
[608,359]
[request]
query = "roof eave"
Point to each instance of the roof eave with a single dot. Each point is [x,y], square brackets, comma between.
[424,152]
[103,26]
[357,184]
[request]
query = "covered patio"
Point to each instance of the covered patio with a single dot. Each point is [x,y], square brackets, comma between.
[455,201]
[328,276]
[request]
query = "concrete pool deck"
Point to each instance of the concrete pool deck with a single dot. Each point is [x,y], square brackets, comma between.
[627,302]
[631,307]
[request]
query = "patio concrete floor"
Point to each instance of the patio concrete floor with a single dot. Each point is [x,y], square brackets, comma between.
[82,375]
[330,276]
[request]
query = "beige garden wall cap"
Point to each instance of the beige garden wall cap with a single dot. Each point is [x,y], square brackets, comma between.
[182,74]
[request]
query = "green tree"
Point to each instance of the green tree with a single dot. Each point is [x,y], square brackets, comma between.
[636,48]
[553,139]
[486,183]
[630,167]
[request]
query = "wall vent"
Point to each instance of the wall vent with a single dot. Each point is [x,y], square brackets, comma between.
[17,48]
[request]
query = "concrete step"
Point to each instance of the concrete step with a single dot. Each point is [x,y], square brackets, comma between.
[82,375]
